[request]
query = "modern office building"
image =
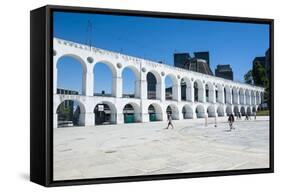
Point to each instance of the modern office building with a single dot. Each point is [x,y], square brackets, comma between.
[224,71]
[203,55]
[198,63]
[181,60]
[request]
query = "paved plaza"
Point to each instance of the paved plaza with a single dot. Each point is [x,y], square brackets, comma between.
[149,149]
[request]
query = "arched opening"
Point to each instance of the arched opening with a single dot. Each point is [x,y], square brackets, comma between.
[241,96]
[155,112]
[253,99]
[232,96]
[200,111]
[104,74]
[105,113]
[249,112]
[209,92]
[69,114]
[220,111]
[168,88]
[228,110]
[186,89]
[131,112]
[220,94]
[187,112]
[224,94]
[153,85]
[183,90]
[235,95]
[254,109]
[198,91]
[70,75]
[257,98]
[173,111]
[131,83]
[227,94]
[243,112]
[211,111]
[247,93]
[236,110]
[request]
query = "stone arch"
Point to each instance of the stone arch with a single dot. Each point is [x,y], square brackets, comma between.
[209,92]
[243,111]
[219,93]
[257,98]
[155,112]
[198,91]
[154,83]
[211,111]
[249,111]
[136,83]
[114,82]
[131,113]
[247,95]
[236,110]
[83,66]
[253,98]
[76,57]
[109,64]
[186,86]
[228,110]
[242,96]
[235,95]
[220,111]
[200,111]
[187,112]
[107,114]
[227,94]
[171,92]
[70,112]
[172,109]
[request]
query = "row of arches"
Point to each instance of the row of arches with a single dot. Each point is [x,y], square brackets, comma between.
[106,83]
[72,112]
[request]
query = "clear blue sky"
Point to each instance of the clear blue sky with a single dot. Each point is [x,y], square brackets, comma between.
[157,39]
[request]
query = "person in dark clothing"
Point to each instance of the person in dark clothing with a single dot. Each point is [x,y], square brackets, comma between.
[231,121]
[170,121]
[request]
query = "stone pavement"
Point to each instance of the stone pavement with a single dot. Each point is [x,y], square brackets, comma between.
[148,148]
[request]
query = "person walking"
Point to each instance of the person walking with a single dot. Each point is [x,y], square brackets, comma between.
[230,121]
[170,121]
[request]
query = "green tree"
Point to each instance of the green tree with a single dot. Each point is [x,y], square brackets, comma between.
[258,74]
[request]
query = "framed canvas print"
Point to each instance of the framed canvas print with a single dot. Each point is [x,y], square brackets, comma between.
[119,95]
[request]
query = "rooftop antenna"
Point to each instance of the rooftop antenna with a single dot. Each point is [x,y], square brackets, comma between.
[89,32]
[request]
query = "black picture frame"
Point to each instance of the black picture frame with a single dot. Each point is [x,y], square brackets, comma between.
[41,121]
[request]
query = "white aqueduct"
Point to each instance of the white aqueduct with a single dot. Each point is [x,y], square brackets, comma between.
[224,96]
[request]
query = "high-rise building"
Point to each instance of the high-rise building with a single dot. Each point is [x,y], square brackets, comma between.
[181,60]
[198,63]
[203,55]
[224,71]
